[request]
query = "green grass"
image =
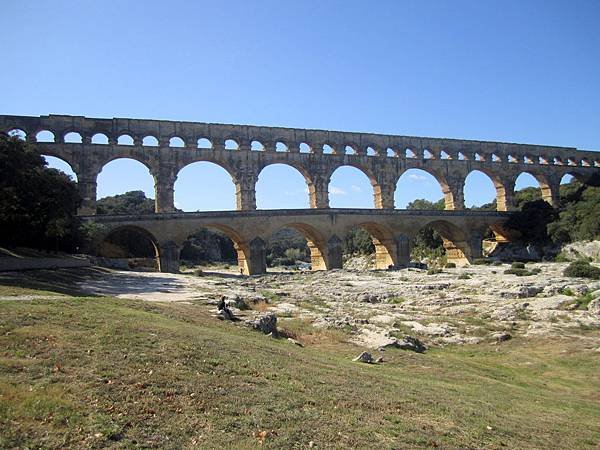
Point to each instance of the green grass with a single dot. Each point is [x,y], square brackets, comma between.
[87,372]
[271,296]
[580,302]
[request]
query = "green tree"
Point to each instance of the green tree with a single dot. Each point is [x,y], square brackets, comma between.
[423,204]
[358,241]
[38,205]
[579,218]
[132,202]
[427,243]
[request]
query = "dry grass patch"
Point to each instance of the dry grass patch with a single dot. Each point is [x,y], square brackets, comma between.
[102,372]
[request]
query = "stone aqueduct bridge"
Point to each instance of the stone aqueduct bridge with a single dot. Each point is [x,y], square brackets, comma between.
[92,143]
[392,232]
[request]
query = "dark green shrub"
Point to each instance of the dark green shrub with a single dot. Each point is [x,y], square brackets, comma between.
[497,263]
[582,269]
[519,272]
[517,265]
[464,276]
[450,265]
[561,257]
[482,262]
[434,271]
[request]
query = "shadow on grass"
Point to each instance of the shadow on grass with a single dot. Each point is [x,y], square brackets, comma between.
[62,281]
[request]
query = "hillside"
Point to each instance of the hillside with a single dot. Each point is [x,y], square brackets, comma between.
[83,372]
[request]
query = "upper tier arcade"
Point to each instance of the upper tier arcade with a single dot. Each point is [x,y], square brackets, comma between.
[244,150]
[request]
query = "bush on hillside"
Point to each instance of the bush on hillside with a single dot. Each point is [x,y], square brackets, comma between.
[582,269]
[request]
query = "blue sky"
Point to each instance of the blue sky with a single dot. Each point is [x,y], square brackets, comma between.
[519,71]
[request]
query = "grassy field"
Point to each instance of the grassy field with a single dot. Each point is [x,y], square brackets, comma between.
[91,372]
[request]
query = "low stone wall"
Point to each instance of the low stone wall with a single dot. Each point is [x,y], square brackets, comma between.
[11,264]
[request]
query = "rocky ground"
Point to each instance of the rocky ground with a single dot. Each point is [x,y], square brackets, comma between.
[379,308]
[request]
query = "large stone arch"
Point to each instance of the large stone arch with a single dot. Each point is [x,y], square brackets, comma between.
[457,242]
[66,157]
[170,179]
[61,158]
[386,250]
[308,178]
[316,242]
[102,164]
[370,174]
[504,187]
[547,188]
[139,229]
[450,201]
[134,154]
[250,253]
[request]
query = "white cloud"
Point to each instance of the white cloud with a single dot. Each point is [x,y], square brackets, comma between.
[296,192]
[414,176]
[334,190]
[355,188]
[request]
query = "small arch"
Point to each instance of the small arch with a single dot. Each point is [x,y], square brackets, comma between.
[100,138]
[125,139]
[150,141]
[371,151]
[391,153]
[257,146]
[45,136]
[495,158]
[73,138]
[204,143]
[350,150]
[176,142]
[328,150]
[444,155]
[231,144]
[511,159]
[61,165]
[427,154]
[281,147]
[461,156]
[409,153]
[18,133]
[304,148]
